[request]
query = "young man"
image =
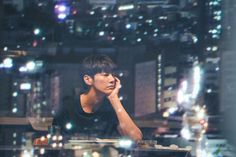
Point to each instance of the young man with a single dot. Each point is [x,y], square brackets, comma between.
[97,110]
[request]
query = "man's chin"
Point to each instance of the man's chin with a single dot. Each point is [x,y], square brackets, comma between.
[108,92]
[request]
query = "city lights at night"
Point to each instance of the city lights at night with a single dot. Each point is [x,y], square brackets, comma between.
[62,11]
[174,59]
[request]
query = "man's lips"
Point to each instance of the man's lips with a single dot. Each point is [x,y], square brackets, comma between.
[111,87]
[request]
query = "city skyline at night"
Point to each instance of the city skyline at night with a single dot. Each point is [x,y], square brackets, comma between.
[174,58]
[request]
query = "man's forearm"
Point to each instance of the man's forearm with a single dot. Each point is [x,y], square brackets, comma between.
[126,125]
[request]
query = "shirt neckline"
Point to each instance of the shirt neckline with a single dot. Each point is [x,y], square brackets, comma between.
[79,105]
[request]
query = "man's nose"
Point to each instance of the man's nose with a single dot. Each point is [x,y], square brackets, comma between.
[111,78]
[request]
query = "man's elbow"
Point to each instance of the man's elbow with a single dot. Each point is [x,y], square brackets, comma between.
[140,136]
[137,136]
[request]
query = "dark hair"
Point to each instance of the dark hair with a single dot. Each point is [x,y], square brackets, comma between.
[94,64]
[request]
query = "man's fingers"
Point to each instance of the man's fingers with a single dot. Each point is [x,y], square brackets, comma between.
[117,80]
[118,85]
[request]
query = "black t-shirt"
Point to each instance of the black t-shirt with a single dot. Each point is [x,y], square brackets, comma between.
[72,119]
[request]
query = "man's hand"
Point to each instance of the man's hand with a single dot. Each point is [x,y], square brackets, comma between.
[126,125]
[116,90]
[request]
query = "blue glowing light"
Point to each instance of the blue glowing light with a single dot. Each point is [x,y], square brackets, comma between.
[68,126]
[62,11]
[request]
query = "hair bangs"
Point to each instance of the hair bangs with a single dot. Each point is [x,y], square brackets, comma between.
[106,68]
[97,64]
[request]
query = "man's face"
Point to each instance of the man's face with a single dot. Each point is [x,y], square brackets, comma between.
[104,82]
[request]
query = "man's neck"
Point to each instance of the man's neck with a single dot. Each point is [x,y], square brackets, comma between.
[91,101]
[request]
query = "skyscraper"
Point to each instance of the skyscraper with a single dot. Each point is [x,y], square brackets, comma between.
[212,50]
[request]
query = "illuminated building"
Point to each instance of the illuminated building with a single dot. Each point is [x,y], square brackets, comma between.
[212,50]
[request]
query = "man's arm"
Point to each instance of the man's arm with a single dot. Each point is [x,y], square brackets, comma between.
[126,125]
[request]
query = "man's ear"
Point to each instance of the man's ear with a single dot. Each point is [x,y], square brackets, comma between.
[88,80]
